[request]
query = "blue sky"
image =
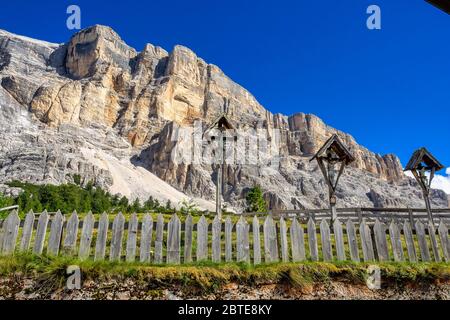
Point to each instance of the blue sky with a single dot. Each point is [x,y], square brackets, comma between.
[389,88]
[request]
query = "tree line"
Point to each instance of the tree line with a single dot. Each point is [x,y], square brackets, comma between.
[70,197]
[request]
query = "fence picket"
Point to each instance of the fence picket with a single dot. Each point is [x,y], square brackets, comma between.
[70,240]
[445,242]
[242,241]
[339,240]
[202,239]
[54,239]
[396,241]
[312,240]
[188,228]
[146,238]
[325,238]
[102,234]
[256,241]
[284,241]
[115,252]
[409,239]
[352,240]
[173,240]
[40,233]
[216,236]
[297,241]
[228,240]
[434,244]
[366,241]
[159,239]
[379,230]
[270,241]
[423,246]
[86,236]
[2,232]
[11,230]
[132,238]
[27,231]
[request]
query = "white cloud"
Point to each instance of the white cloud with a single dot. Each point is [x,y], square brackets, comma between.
[439,182]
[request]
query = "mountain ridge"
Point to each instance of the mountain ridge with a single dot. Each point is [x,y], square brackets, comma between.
[97,82]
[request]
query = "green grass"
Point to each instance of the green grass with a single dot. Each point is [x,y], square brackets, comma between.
[210,276]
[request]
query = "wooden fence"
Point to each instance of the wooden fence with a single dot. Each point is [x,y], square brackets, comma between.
[253,239]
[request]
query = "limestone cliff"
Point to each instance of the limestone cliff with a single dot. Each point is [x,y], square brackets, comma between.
[95,104]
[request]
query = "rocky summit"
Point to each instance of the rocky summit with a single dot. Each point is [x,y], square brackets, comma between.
[97,108]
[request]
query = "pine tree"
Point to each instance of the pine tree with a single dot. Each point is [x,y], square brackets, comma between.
[255,200]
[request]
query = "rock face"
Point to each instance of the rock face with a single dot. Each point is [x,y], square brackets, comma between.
[95,104]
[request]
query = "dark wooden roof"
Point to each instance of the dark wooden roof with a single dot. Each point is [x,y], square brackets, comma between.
[338,147]
[221,122]
[423,158]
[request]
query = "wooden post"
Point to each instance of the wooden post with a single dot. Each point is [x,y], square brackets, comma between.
[146,238]
[27,231]
[132,238]
[54,239]
[202,239]
[228,240]
[297,241]
[40,233]
[173,240]
[216,236]
[256,241]
[159,239]
[86,236]
[352,240]
[188,227]
[102,234]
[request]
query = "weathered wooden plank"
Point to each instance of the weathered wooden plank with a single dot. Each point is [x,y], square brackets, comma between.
[433,240]
[174,240]
[102,234]
[11,230]
[216,235]
[445,242]
[325,238]
[297,241]
[202,239]
[159,239]
[409,239]
[86,236]
[352,241]
[284,241]
[270,241]
[423,246]
[27,231]
[146,238]
[339,240]
[379,230]
[312,240]
[256,241]
[396,241]
[366,241]
[132,238]
[2,232]
[54,240]
[40,233]
[115,252]
[188,228]
[71,235]
[242,241]
[228,240]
